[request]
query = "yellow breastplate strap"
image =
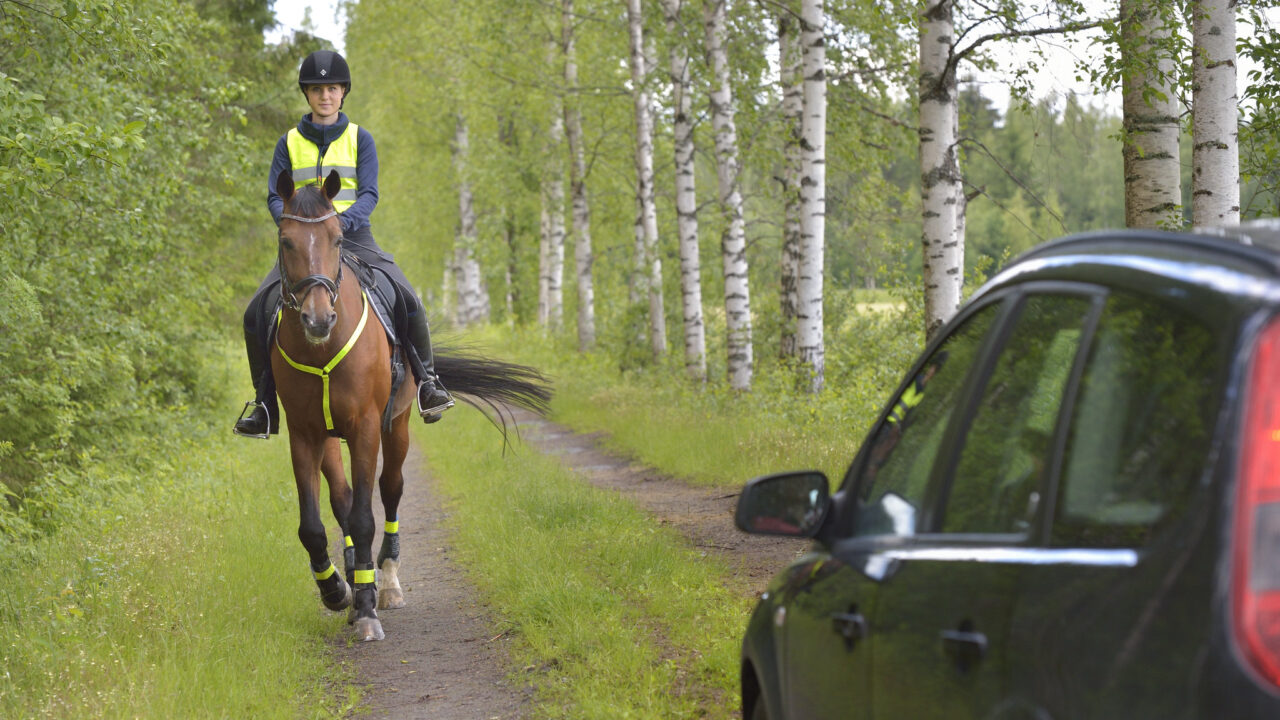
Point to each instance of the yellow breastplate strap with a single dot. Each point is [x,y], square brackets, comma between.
[323,372]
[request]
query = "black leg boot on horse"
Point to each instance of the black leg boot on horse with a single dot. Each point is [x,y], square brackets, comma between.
[433,399]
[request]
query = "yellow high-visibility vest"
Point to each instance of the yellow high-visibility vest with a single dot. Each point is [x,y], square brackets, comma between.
[309,167]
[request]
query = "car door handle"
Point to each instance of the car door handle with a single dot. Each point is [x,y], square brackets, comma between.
[966,647]
[851,626]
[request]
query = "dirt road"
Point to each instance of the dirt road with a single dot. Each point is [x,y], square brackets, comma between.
[440,660]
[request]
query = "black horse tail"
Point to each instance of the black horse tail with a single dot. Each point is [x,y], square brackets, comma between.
[492,386]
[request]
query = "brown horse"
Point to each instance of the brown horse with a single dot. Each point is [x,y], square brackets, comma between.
[333,377]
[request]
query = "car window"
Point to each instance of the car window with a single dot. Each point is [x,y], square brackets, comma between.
[903,447]
[1142,424]
[996,487]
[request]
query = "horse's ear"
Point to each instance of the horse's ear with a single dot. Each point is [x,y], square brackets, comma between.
[284,185]
[332,184]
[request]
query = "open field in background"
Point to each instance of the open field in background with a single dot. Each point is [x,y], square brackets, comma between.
[611,614]
[182,594]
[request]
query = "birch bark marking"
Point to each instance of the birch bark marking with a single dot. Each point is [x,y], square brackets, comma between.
[733,242]
[554,184]
[1215,150]
[790,81]
[810,344]
[939,166]
[1152,176]
[695,341]
[648,216]
[473,303]
[582,254]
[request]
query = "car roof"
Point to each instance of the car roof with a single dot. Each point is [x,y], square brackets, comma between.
[1240,261]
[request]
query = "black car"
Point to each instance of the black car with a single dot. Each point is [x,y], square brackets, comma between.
[1069,509]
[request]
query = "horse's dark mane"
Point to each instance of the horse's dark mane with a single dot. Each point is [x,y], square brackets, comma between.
[309,201]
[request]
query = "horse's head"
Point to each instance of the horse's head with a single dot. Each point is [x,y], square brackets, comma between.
[310,253]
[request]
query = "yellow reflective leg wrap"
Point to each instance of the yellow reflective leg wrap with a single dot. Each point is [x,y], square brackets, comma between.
[391,526]
[325,574]
[348,542]
[365,576]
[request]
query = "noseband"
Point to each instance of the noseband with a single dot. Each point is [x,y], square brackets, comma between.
[290,292]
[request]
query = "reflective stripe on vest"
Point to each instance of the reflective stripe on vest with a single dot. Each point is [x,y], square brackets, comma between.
[309,167]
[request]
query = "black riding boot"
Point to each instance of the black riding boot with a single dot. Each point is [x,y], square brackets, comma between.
[433,399]
[255,418]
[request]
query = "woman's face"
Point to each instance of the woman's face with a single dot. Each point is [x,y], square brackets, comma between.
[325,101]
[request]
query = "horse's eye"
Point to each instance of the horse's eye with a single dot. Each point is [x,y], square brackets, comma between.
[338,241]
[286,243]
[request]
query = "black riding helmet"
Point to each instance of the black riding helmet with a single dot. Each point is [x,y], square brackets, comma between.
[324,67]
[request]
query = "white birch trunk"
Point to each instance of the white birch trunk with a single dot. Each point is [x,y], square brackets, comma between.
[473,303]
[1152,176]
[733,243]
[695,341]
[1215,151]
[582,254]
[810,343]
[544,256]
[554,184]
[648,216]
[790,81]
[940,189]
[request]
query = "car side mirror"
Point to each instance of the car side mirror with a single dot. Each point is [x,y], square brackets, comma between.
[792,504]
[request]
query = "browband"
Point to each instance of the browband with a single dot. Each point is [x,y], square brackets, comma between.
[322,218]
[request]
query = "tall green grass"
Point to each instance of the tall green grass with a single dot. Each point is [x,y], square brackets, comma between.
[613,615]
[184,594]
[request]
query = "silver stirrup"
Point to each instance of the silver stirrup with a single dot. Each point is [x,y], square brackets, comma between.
[247,408]
[431,411]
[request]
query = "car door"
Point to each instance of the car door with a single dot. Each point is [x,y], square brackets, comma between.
[943,613]
[1114,620]
[823,617]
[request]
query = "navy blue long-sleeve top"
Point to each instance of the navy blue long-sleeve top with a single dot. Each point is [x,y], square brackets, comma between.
[355,217]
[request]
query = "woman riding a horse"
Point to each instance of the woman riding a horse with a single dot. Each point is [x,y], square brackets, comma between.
[325,140]
[331,362]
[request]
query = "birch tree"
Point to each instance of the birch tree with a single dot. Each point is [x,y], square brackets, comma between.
[1215,154]
[790,82]
[647,217]
[939,166]
[1152,176]
[551,275]
[733,244]
[695,342]
[813,187]
[582,253]
[472,299]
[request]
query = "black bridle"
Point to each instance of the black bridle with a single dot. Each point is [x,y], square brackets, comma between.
[290,292]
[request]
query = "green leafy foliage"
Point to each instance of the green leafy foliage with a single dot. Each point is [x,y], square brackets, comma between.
[130,169]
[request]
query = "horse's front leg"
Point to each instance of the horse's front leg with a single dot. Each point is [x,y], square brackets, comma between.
[363,446]
[335,593]
[339,501]
[391,486]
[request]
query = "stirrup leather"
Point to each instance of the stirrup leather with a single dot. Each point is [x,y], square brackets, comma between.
[248,408]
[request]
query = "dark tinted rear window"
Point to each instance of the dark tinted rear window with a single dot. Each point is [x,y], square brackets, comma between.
[1142,424]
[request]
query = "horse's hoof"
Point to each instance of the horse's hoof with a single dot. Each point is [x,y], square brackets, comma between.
[368,629]
[390,598]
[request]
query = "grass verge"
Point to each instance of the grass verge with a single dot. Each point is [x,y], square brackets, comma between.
[186,595]
[612,615]
[708,434]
